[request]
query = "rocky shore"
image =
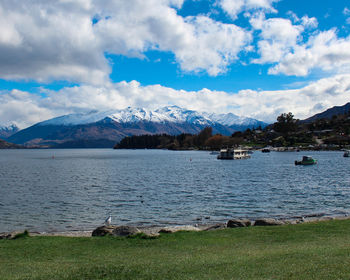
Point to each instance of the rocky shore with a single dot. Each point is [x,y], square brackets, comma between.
[153,231]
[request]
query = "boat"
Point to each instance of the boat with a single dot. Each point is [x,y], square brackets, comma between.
[214,152]
[307,160]
[346,153]
[231,153]
[265,150]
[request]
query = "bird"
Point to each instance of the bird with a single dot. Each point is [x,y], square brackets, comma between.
[108,221]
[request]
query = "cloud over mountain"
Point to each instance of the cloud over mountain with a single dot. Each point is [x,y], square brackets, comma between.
[262,105]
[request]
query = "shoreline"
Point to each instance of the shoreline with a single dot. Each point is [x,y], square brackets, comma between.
[154,230]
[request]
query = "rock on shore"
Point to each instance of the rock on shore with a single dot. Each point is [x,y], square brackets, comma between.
[238,223]
[124,230]
[269,222]
[115,231]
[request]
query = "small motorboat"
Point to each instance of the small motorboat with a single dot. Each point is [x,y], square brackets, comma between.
[265,150]
[307,160]
[346,153]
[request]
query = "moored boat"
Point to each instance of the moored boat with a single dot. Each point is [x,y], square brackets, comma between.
[233,154]
[346,153]
[307,160]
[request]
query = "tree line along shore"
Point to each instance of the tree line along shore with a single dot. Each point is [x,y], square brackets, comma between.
[320,134]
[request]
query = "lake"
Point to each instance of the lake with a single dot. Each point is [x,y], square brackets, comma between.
[76,189]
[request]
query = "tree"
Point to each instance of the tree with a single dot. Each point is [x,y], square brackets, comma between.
[203,136]
[285,123]
[215,142]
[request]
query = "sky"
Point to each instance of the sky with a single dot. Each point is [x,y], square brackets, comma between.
[253,58]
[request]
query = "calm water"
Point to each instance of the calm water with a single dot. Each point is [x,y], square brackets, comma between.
[54,190]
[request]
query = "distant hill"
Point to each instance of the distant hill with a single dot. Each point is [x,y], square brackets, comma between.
[7,145]
[104,129]
[328,114]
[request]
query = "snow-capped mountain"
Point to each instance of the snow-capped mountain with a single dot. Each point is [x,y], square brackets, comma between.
[7,131]
[111,126]
[167,114]
[77,119]
[232,119]
[172,114]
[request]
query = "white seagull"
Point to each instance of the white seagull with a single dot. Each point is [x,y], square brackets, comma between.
[108,221]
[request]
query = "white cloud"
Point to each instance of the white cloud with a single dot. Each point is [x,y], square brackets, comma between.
[199,43]
[278,37]
[215,47]
[233,8]
[49,40]
[324,51]
[305,21]
[346,12]
[303,102]
[23,109]
[293,50]
[309,22]
[26,109]
[8,35]
[293,16]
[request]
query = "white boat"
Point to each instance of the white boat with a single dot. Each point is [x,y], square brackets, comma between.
[233,154]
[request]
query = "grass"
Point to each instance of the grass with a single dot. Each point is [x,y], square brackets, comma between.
[306,251]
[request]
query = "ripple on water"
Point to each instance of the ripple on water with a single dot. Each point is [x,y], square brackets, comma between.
[80,187]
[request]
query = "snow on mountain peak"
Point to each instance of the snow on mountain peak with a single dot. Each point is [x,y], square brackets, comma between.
[231,119]
[10,127]
[76,119]
[162,115]
[8,130]
[131,115]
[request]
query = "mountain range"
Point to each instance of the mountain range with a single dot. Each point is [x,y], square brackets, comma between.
[7,131]
[104,129]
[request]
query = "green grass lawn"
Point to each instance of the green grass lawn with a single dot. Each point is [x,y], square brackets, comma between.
[306,251]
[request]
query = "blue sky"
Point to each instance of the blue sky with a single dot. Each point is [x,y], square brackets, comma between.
[255,58]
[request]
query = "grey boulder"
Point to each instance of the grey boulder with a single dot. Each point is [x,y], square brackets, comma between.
[125,231]
[103,231]
[238,223]
[268,222]
[115,231]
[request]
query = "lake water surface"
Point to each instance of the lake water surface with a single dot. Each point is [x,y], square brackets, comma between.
[58,190]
